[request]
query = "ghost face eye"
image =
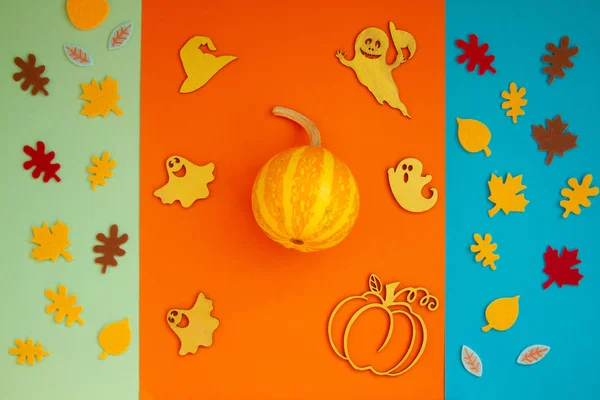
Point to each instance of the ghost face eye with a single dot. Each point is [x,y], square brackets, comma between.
[410,167]
[368,41]
[170,164]
[176,160]
[404,167]
[378,44]
[171,320]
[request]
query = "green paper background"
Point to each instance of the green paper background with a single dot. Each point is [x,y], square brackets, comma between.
[73,370]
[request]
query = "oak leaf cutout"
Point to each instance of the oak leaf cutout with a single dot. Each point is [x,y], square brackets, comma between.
[31,75]
[64,306]
[52,242]
[533,354]
[101,169]
[559,59]
[27,351]
[579,196]
[485,250]
[560,268]
[110,247]
[505,195]
[554,139]
[514,101]
[102,99]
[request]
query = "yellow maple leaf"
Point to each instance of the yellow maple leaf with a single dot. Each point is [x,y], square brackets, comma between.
[27,351]
[101,169]
[504,195]
[52,242]
[101,100]
[514,101]
[64,306]
[485,250]
[578,196]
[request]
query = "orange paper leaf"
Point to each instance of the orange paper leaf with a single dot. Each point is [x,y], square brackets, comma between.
[101,99]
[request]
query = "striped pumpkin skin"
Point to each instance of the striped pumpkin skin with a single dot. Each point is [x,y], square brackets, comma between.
[306,199]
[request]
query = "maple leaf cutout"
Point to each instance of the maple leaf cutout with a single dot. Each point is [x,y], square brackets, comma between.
[485,250]
[41,162]
[52,242]
[31,75]
[514,101]
[552,138]
[101,100]
[559,268]
[27,351]
[505,195]
[475,54]
[101,170]
[64,306]
[579,196]
[110,248]
[559,59]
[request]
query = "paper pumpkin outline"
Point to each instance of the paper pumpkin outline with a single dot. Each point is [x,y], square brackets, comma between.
[195,186]
[407,183]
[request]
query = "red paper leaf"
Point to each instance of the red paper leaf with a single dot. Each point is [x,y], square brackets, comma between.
[41,162]
[559,268]
[475,54]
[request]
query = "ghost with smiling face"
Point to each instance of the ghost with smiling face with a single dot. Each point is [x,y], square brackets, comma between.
[187,182]
[370,65]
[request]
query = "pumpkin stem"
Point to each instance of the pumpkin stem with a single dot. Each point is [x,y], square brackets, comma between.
[390,296]
[307,124]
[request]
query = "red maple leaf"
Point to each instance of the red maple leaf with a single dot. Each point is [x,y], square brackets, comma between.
[559,268]
[475,54]
[41,162]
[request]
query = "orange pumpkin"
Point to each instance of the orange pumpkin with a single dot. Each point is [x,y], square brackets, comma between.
[305,198]
[393,353]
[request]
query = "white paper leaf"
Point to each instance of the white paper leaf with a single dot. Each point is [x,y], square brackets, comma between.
[78,55]
[533,354]
[120,35]
[471,361]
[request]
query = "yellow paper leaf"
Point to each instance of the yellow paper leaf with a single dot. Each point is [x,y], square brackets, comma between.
[115,338]
[514,101]
[579,196]
[27,351]
[474,136]
[101,169]
[502,313]
[52,243]
[101,100]
[505,195]
[485,250]
[64,306]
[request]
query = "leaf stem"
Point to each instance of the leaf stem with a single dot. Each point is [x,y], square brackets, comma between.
[493,211]
[547,284]
[549,158]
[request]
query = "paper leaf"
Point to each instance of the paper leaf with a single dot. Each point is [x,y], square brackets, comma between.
[533,354]
[200,67]
[52,242]
[78,55]
[407,184]
[120,36]
[87,14]
[392,300]
[474,136]
[31,75]
[514,101]
[505,194]
[559,58]
[552,139]
[485,250]
[370,65]
[187,182]
[471,361]
[199,325]
[475,55]
[64,306]
[110,248]
[41,162]
[101,169]
[101,100]
[502,313]
[27,351]
[579,196]
[115,338]
[559,268]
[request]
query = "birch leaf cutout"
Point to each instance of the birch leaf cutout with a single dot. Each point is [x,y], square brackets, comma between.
[78,55]
[120,35]
[471,361]
[533,354]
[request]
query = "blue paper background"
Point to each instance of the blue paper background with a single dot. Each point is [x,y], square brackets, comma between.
[565,319]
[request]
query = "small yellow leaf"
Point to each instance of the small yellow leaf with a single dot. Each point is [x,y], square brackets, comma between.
[502,313]
[27,351]
[101,100]
[115,338]
[474,136]
[514,101]
[504,194]
[101,169]
[52,243]
[485,250]
[579,196]
[64,306]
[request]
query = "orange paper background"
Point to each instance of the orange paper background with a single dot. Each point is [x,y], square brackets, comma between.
[274,303]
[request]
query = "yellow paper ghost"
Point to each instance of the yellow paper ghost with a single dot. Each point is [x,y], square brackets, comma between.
[407,184]
[372,70]
[193,327]
[187,182]
[200,67]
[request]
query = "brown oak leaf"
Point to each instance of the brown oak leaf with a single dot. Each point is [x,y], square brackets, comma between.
[552,139]
[559,59]
[111,247]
